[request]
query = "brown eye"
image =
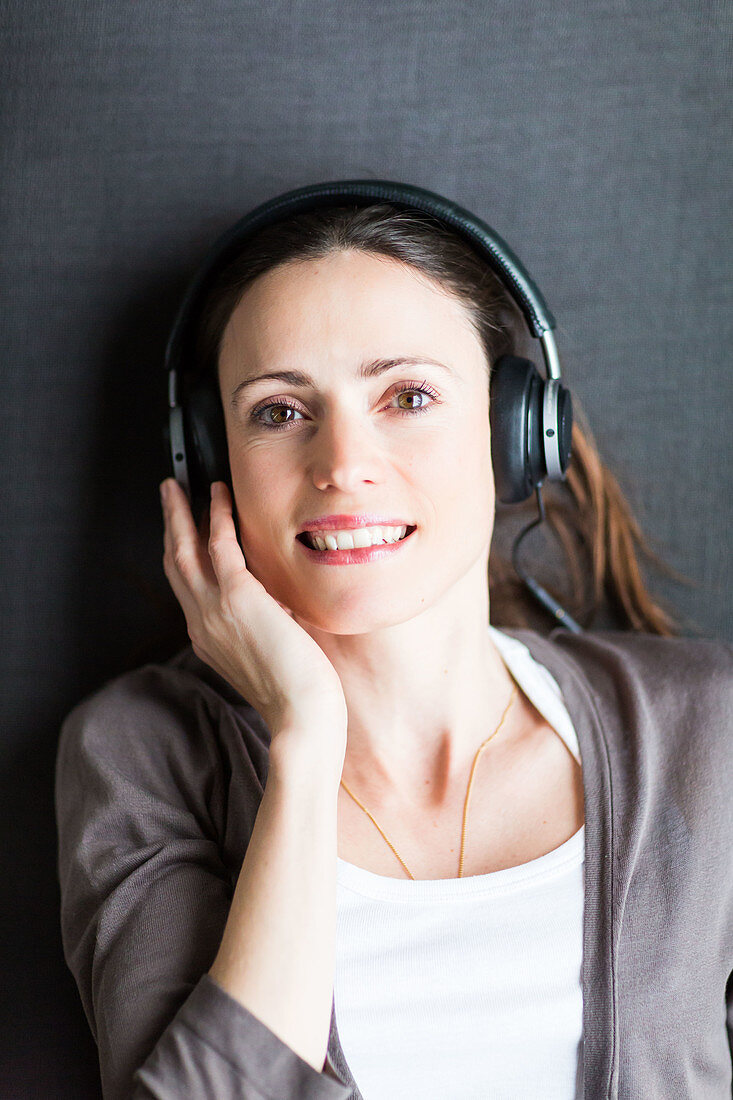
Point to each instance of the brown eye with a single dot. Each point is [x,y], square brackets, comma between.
[281,414]
[415,395]
[412,396]
[275,415]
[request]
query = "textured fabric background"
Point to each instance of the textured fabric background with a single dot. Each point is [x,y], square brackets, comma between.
[593,136]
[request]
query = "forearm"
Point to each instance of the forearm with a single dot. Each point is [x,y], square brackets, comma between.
[277,953]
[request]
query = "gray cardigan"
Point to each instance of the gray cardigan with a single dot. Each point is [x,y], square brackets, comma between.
[159,776]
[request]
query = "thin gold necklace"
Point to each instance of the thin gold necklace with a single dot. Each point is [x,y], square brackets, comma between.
[465,805]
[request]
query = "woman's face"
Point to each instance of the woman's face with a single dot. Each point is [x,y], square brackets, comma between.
[352,443]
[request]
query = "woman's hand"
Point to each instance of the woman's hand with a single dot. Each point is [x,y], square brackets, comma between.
[241,631]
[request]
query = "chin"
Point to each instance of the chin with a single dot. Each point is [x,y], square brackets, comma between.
[351,615]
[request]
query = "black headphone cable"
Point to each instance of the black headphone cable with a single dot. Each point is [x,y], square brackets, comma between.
[540,594]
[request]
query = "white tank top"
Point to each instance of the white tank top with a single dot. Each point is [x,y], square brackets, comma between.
[468,988]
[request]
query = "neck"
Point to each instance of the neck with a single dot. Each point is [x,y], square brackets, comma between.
[421,697]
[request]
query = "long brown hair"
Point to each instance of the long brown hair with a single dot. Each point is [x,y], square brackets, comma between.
[593,524]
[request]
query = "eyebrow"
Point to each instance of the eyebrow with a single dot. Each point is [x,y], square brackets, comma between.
[369,369]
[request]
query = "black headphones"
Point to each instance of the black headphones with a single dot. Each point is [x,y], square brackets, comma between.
[530,415]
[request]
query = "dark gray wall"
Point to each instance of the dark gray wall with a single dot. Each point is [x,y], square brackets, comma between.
[593,135]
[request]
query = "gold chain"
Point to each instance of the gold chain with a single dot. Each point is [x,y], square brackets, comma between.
[468,794]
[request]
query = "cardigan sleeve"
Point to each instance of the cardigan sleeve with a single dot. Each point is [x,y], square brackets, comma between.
[145,895]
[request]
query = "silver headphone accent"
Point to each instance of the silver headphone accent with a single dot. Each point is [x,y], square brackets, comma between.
[550,434]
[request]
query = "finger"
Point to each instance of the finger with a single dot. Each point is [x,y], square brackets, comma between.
[187,557]
[193,605]
[182,592]
[224,549]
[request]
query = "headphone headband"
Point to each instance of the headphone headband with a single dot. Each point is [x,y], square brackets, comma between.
[485,240]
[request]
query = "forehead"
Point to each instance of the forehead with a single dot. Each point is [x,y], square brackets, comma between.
[341,298]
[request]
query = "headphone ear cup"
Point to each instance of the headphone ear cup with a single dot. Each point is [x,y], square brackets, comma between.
[515,415]
[564,426]
[206,441]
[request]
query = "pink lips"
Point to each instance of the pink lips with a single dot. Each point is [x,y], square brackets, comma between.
[357,555]
[350,523]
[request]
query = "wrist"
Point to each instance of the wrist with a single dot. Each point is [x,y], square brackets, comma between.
[301,756]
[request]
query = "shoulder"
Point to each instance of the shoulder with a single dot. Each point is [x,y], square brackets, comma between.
[677,686]
[175,719]
[665,701]
[647,663]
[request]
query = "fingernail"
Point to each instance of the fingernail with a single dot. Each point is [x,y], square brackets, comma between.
[164,491]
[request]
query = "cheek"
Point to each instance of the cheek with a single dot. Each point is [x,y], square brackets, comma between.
[460,470]
[260,492]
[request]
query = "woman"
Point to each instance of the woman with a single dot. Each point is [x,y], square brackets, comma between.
[501,861]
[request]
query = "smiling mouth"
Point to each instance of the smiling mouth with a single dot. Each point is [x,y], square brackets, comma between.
[304,539]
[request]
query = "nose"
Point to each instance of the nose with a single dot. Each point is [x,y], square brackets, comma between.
[344,453]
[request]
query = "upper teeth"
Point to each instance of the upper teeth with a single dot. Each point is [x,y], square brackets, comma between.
[361,536]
